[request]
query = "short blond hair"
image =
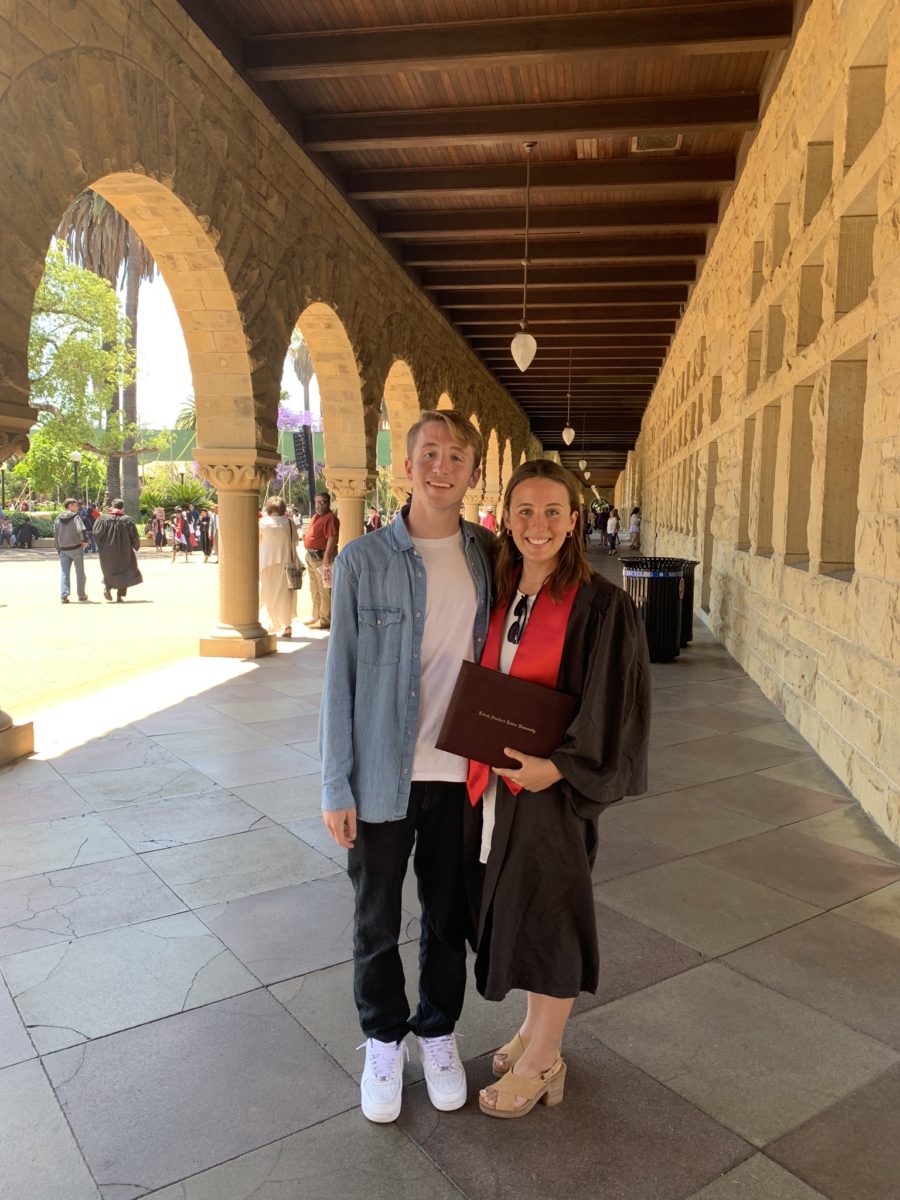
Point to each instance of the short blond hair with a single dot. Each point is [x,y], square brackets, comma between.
[455,423]
[275,507]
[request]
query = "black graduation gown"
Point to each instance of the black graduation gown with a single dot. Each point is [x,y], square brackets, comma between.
[117,539]
[536,919]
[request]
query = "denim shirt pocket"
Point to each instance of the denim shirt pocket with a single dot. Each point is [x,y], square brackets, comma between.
[380,631]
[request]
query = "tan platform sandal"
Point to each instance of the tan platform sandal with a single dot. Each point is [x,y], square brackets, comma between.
[512,1051]
[546,1088]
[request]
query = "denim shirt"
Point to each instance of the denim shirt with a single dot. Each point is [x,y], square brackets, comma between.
[370,701]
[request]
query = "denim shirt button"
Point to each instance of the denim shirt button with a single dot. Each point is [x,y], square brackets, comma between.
[412,693]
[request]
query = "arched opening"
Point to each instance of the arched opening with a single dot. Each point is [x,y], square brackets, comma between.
[401,400]
[491,471]
[444,401]
[473,497]
[506,464]
[349,468]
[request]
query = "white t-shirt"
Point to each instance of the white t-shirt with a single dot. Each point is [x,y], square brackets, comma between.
[612,525]
[450,606]
[507,654]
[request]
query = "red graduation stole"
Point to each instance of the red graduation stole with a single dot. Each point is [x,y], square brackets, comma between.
[537,659]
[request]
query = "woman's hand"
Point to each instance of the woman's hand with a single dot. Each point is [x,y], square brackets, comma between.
[534,775]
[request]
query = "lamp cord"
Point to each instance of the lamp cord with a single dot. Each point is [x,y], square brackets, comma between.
[529,146]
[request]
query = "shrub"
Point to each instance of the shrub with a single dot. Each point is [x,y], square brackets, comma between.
[41,524]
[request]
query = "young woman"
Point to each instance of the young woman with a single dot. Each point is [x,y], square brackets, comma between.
[535,829]
[181,534]
[204,531]
[277,542]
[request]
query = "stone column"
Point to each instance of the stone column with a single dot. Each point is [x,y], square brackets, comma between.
[16,741]
[471,505]
[350,488]
[238,633]
[401,487]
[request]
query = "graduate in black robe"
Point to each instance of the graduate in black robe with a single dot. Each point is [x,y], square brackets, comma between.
[536,926]
[117,540]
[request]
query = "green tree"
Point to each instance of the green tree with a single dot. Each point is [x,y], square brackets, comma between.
[298,353]
[187,414]
[98,237]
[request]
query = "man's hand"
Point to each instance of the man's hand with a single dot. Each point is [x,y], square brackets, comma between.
[341,824]
[534,775]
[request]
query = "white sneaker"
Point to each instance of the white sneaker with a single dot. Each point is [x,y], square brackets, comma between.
[381,1087]
[445,1076]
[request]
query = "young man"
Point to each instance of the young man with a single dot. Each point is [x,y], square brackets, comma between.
[320,542]
[410,603]
[70,539]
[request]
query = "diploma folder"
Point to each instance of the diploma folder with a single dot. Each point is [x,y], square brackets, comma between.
[489,710]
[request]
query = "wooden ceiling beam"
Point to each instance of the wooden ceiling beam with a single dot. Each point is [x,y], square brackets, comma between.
[497,278]
[500,123]
[558,314]
[559,343]
[542,297]
[589,328]
[679,245]
[392,183]
[676,30]
[565,219]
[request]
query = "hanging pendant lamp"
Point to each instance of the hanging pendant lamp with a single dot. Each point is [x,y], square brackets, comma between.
[523,347]
[587,476]
[568,434]
[582,463]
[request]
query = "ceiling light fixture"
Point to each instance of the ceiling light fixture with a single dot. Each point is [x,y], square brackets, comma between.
[568,434]
[523,346]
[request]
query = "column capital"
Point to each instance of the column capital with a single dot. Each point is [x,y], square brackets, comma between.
[492,498]
[16,422]
[349,484]
[401,487]
[237,470]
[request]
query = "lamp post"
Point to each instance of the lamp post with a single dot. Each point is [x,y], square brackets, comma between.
[75,459]
[2,487]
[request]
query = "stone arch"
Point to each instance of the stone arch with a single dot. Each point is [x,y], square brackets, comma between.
[347,455]
[491,470]
[506,464]
[444,401]
[401,399]
[523,457]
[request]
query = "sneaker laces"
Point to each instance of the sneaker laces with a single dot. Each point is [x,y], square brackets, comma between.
[441,1052]
[384,1056]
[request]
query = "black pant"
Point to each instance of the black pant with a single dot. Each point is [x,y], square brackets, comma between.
[377,866]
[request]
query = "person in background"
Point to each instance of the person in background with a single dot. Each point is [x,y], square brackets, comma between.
[117,540]
[88,521]
[531,830]
[612,531]
[635,528]
[26,532]
[181,534]
[277,539]
[214,529]
[6,532]
[203,532]
[373,521]
[320,543]
[157,529]
[70,539]
[489,521]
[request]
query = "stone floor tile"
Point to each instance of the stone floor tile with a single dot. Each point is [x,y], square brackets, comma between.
[878,910]
[312,831]
[247,688]
[25,774]
[620,853]
[734,717]
[52,845]
[617,1133]
[293,729]
[718,757]
[45,800]
[758,1062]
[322,1002]
[758,1179]
[303,687]
[158,824]
[96,985]
[256,766]
[779,733]
[113,754]
[838,967]
[766,799]
[696,695]
[632,956]
[242,864]
[849,1152]
[286,799]
[666,730]
[190,716]
[15,1044]
[288,931]
[44,909]
[311,749]
[214,1083]
[262,710]
[112,789]
[346,1158]
[685,822]
[850,826]
[39,1159]
[808,868]
[192,745]
[811,773]
[710,910]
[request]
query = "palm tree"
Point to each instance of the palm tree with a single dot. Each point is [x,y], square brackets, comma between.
[187,414]
[98,237]
[298,353]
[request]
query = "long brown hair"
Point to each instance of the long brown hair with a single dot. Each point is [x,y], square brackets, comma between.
[572,566]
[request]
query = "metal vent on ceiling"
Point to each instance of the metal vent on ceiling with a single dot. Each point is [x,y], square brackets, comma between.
[656,143]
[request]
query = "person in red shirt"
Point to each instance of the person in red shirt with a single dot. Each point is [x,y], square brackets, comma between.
[320,542]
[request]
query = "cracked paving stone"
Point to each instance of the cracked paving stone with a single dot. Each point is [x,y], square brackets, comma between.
[54,845]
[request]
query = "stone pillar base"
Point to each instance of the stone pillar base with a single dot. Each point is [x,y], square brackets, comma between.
[16,741]
[257,647]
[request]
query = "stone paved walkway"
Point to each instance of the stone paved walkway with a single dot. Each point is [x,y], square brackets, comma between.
[176,1016]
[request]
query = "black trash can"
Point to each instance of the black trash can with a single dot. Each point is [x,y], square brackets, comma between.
[687,603]
[656,585]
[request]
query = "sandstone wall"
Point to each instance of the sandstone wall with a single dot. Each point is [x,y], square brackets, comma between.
[771,447]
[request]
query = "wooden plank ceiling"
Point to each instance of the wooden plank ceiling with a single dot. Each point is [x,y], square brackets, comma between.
[419,110]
